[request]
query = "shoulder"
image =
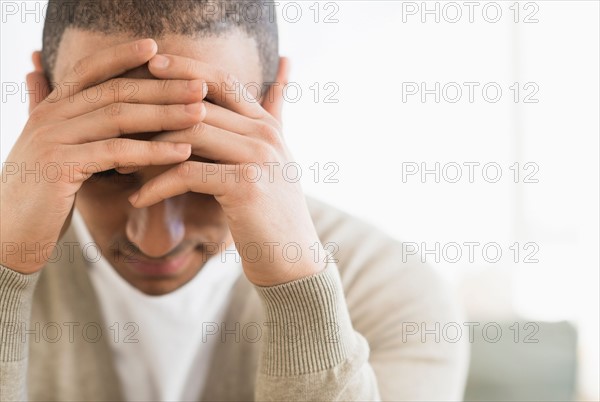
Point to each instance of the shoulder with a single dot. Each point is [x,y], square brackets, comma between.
[379,276]
[363,250]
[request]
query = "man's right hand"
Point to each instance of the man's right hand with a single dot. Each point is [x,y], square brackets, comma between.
[74,132]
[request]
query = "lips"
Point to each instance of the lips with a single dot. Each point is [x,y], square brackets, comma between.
[168,267]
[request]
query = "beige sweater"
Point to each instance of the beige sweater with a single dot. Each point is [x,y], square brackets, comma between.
[348,343]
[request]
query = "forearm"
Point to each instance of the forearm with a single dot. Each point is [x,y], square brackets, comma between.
[313,352]
[15,308]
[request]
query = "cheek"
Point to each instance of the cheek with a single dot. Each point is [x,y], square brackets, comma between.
[104,210]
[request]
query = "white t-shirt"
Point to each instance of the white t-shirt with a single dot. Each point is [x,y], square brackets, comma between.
[162,345]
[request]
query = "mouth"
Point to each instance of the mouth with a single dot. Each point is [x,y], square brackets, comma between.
[160,267]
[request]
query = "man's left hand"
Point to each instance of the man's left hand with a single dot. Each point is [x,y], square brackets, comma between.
[267,214]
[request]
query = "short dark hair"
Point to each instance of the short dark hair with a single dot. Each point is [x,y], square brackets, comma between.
[155,18]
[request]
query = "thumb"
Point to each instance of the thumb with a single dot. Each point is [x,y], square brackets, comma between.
[37,84]
[274,100]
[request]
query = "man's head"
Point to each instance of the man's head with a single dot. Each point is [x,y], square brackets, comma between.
[159,248]
[198,19]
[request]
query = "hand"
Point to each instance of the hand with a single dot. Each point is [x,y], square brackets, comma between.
[267,214]
[68,138]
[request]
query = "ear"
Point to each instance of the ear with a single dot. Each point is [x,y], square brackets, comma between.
[37,84]
[273,100]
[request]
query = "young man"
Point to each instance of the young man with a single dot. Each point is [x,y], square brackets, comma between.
[211,277]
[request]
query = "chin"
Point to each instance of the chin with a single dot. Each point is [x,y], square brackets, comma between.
[155,287]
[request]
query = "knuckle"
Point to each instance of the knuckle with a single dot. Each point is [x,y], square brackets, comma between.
[266,153]
[269,134]
[165,111]
[184,169]
[114,110]
[274,123]
[99,91]
[81,67]
[199,130]
[117,146]
[229,79]
[164,85]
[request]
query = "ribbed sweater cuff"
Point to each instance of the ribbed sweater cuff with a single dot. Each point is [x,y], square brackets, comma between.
[16,292]
[309,325]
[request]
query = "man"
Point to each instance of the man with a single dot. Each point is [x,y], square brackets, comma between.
[215,278]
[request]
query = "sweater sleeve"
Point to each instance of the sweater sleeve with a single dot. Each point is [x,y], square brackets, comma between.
[313,352]
[16,292]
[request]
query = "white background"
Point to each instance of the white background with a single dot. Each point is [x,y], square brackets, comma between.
[369,55]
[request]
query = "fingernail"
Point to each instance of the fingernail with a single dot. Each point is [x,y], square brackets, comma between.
[134,197]
[146,45]
[196,85]
[193,108]
[159,61]
[183,149]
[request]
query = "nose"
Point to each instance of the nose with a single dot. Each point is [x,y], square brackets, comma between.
[158,229]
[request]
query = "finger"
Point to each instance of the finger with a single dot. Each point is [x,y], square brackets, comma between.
[273,100]
[223,88]
[38,89]
[125,152]
[127,118]
[105,64]
[214,143]
[225,119]
[198,177]
[158,92]
[127,169]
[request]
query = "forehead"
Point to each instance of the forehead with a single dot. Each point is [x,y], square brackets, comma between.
[234,52]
